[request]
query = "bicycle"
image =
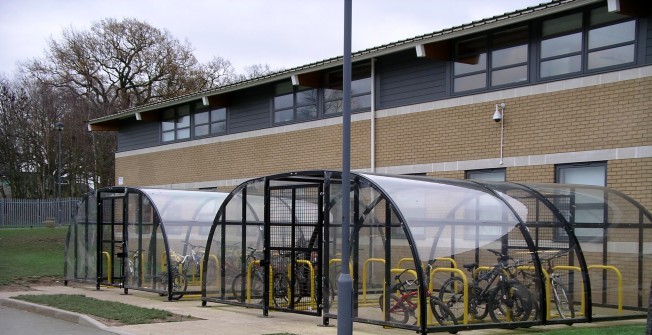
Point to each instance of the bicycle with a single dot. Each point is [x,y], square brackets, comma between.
[256,285]
[195,258]
[133,267]
[304,275]
[492,292]
[563,301]
[179,279]
[402,307]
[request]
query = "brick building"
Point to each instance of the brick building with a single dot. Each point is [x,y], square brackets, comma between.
[574,76]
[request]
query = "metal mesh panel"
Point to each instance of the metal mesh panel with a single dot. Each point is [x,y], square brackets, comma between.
[294,248]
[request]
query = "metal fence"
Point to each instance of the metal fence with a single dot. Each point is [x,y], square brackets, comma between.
[37,212]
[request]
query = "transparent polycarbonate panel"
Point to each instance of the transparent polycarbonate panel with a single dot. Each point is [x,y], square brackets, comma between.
[592,204]
[185,206]
[81,243]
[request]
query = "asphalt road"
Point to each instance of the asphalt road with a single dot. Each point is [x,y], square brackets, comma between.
[19,322]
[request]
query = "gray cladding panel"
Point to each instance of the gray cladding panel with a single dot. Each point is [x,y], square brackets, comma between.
[137,134]
[648,42]
[250,113]
[406,79]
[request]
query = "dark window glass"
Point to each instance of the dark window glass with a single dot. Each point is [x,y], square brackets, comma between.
[360,91]
[471,64]
[567,45]
[509,75]
[486,174]
[283,101]
[201,118]
[562,24]
[510,56]
[201,130]
[283,115]
[561,45]
[561,66]
[294,103]
[470,82]
[610,35]
[176,124]
[602,15]
[611,57]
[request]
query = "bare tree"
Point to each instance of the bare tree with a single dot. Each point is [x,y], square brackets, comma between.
[257,70]
[114,66]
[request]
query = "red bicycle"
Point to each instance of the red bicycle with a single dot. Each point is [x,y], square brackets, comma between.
[403,303]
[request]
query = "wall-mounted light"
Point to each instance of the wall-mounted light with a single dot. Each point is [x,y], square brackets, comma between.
[499,116]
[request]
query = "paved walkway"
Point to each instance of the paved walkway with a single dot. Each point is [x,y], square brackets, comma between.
[216,318]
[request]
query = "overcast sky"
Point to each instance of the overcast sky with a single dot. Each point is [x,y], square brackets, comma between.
[281,33]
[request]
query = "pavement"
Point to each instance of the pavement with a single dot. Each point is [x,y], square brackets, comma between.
[218,318]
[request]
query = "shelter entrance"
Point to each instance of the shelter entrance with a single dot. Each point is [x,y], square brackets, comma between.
[294,240]
[112,237]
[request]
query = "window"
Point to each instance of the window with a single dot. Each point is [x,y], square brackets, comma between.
[495,60]
[608,43]
[488,209]
[176,124]
[586,209]
[209,121]
[294,104]
[486,175]
[360,91]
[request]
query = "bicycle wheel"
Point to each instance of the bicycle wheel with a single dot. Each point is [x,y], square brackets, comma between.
[511,304]
[239,287]
[398,311]
[562,301]
[281,290]
[451,295]
[179,284]
[442,313]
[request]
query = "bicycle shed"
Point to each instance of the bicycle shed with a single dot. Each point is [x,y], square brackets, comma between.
[137,238]
[272,232]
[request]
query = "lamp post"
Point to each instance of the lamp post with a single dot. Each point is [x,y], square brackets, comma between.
[59,127]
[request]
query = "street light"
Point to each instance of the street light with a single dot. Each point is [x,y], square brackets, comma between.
[59,127]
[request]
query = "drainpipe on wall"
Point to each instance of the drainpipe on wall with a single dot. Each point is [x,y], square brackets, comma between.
[373,116]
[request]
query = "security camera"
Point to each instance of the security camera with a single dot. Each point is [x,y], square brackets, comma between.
[498,116]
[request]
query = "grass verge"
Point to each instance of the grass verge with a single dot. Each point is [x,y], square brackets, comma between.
[31,253]
[114,311]
[612,330]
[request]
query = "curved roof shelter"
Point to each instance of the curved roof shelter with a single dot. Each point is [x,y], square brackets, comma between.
[514,254]
[128,237]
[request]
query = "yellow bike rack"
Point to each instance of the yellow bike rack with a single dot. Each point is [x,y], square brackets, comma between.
[465,318]
[409,259]
[582,311]
[620,283]
[339,260]
[547,285]
[249,269]
[313,302]
[108,266]
[364,275]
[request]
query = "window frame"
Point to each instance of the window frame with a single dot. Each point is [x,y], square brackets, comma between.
[296,105]
[175,120]
[491,44]
[333,82]
[559,235]
[210,121]
[585,51]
